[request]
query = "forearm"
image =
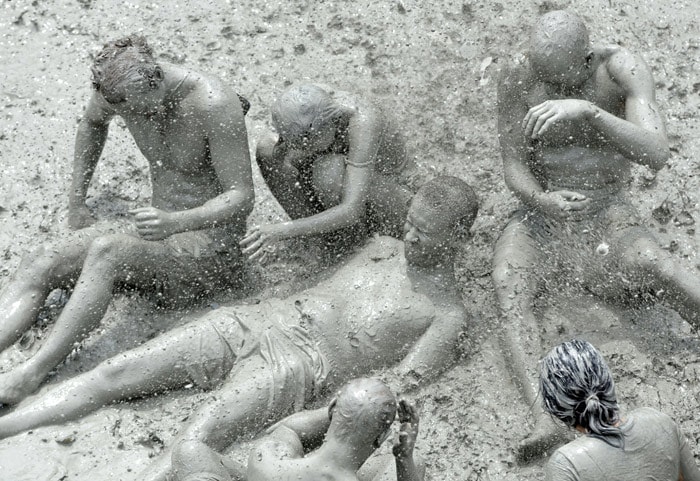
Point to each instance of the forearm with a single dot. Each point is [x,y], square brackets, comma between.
[232,206]
[406,469]
[309,426]
[338,217]
[89,142]
[634,142]
[522,182]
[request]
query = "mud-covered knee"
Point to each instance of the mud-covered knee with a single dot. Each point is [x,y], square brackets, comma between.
[644,253]
[110,248]
[41,260]
[185,451]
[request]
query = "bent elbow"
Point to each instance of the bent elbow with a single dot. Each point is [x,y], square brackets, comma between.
[657,160]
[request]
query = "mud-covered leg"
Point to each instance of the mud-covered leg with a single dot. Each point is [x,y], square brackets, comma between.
[155,366]
[244,404]
[47,268]
[516,256]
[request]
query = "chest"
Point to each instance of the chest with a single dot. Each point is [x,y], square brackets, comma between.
[170,141]
[600,90]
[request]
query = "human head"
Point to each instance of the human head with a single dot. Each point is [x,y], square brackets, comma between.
[362,410]
[125,71]
[306,117]
[560,51]
[442,211]
[577,388]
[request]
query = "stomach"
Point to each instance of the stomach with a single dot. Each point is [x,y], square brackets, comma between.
[581,168]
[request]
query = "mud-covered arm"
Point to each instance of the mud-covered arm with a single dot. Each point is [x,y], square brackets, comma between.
[309,426]
[512,108]
[689,469]
[228,146]
[89,143]
[641,135]
[434,352]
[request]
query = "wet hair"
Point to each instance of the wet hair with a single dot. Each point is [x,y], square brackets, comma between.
[577,388]
[303,108]
[558,34]
[451,199]
[365,407]
[123,62]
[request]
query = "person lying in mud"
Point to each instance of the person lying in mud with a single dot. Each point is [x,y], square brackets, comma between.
[331,443]
[393,304]
[191,130]
[337,161]
[577,389]
[571,121]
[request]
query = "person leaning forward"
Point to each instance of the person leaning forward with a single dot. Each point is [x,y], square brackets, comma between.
[191,130]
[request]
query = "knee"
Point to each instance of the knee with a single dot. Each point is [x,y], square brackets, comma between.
[187,451]
[328,179]
[40,261]
[265,148]
[109,248]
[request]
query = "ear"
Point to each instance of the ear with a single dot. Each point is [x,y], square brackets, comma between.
[157,78]
[331,406]
[589,58]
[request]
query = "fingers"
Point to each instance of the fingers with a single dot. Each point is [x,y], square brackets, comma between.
[251,236]
[532,116]
[253,246]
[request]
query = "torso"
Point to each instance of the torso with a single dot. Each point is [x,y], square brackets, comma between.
[652,451]
[574,156]
[367,310]
[176,147]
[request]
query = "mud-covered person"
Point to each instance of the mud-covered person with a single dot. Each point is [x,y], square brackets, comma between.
[577,388]
[331,443]
[571,121]
[191,130]
[338,161]
[394,306]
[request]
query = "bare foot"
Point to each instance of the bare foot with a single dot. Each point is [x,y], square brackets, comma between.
[17,385]
[543,438]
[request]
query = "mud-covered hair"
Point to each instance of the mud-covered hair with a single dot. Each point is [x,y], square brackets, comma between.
[451,199]
[364,406]
[303,108]
[556,34]
[577,388]
[123,62]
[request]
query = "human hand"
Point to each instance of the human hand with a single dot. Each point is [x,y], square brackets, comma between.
[154,224]
[260,240]
[562,203]
[541,117]
[408,432]
[79,217]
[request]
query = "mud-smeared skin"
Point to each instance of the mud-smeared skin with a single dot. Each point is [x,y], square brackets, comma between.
[434,66]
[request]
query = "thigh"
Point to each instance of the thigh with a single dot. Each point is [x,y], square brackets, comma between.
[244,404]
[519,246]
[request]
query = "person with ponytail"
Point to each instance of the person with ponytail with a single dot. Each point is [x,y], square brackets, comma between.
[577,388]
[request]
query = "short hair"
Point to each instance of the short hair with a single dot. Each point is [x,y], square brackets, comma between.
[558,33]
[123,62]
[452,199]
[364,406]
[303,108]
[577,388]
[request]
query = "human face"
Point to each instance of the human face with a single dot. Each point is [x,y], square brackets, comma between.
[140,98]
[427,237]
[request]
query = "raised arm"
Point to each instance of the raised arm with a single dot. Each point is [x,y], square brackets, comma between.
[309,426]
[641,135]
[89,142]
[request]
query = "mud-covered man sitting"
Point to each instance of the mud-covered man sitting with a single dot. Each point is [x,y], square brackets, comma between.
[192,132]
[571,120]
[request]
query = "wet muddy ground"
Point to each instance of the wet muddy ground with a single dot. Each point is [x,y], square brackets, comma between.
[434,64]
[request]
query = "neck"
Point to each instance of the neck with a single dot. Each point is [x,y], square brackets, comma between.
[344,455]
